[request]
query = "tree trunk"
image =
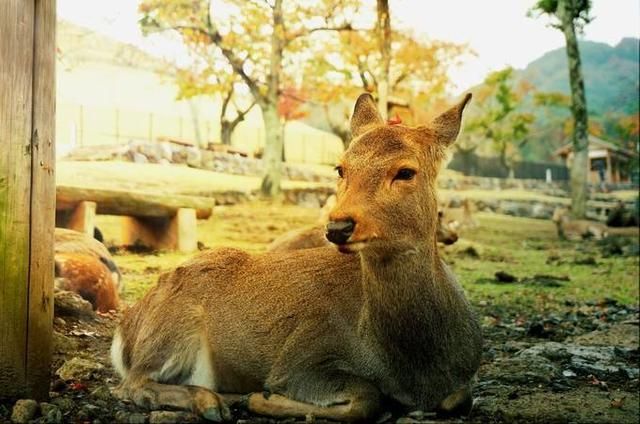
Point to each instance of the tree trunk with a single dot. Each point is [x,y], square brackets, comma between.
[579,189]
[272,157]
[384,40]
[225,132]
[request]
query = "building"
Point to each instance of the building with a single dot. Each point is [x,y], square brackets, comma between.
[606,160]
[110,92]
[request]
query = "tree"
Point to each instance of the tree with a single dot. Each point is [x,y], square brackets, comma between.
[347,64]
[497,119]
[290,108]
[210,80]
[571,16]
[253,39]
[383,28]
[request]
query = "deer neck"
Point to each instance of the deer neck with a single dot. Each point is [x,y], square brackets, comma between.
[404,297]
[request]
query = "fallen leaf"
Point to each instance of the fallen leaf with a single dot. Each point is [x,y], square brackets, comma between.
[617,403]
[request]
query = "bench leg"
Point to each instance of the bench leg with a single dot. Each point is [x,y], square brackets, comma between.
[176,233]
[82,218]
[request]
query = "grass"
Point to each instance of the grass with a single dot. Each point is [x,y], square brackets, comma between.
[525,247]
[520,246]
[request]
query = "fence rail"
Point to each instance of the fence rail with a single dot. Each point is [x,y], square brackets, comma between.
[479,166]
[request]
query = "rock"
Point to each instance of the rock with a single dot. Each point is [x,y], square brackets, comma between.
[166,152]
[514,209]
[102,393]
[63,344]
[541,211]
[605,362]
[194,157]
[167,417]
[522,370]
[24,410]
[623,335]
[505,277]
[153,152]
[78,369]
[68,303]
[135,418]
[138,158]
[51,414]
[64,403]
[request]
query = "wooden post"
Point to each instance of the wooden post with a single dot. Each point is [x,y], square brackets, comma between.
[27,195]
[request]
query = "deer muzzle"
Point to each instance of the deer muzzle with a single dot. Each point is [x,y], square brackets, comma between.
[338,232]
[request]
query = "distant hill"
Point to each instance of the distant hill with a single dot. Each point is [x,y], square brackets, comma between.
[611,75]
[612,85]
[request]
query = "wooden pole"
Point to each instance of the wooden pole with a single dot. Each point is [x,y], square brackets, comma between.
[27,195]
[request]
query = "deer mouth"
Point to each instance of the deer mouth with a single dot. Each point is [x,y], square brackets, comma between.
[352,247]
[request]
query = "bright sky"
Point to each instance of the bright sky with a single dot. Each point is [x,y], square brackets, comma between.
[497,30]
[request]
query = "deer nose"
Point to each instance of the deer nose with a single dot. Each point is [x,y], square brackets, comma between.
[338,232]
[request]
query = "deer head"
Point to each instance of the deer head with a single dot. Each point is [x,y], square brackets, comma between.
[386,197]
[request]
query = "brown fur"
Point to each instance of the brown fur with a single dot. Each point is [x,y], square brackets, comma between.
[460,218]
[324,333]
[315,236]
[84,265]
[577,229]
[87,276]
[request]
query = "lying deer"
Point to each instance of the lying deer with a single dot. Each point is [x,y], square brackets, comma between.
[332,333]
[83,265]
[315,236]
[459,218]
[577,229]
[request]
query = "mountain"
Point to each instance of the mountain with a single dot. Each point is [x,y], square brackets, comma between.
[611,75]
[612,85]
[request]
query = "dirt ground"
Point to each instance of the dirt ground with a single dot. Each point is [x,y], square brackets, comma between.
[561,340]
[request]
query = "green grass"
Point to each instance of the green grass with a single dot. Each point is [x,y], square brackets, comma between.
[519,246]
[523,247]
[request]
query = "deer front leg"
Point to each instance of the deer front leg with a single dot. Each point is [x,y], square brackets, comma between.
[348,406]
[149,394]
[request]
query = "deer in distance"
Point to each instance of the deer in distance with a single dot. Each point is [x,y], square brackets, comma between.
[335,333]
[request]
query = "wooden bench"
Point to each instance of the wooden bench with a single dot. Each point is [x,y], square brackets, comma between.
[159,221]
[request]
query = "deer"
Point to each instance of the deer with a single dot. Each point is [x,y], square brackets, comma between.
[315,236]
[577,229]
[460,218]
[85,266]
[336,332]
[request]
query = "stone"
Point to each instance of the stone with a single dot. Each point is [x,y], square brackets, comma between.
[78,369]
[24,410]
[623,335]
[63,344]
[51,414]
[605,362]
[167,417]
[67,303]
[137,418]
[102,393]
[194,157]
[541,211]
[139,158]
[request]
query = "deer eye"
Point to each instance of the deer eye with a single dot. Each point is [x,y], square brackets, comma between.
[339,170]
[405,174]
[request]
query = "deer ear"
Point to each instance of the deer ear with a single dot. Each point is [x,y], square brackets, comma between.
[365,115]
[447,125]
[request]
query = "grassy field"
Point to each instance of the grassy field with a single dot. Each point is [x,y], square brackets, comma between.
[519,246]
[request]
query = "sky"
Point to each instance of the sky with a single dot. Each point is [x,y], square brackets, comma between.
[498,31]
